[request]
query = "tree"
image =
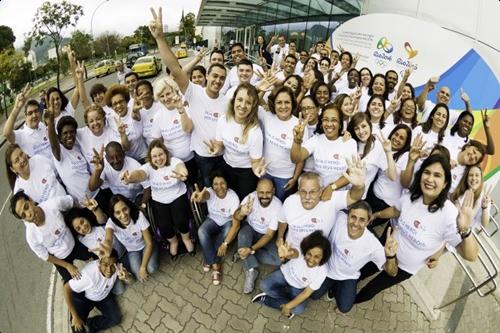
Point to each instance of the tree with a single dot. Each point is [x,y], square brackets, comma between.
[50,20]
[7,37]
[188,26]
[143,35]
[27,45]
[126,42]
[81,43]
[106,43]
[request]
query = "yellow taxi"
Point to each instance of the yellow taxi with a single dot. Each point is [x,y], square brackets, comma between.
[104,67]
[181,52]
[147,66]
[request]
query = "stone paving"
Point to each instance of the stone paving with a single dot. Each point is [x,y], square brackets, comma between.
[180,297]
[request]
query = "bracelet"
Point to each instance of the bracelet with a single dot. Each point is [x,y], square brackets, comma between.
[224,243]
[390,257]
[333,186]
[466,233]
[252,251]
[484,207]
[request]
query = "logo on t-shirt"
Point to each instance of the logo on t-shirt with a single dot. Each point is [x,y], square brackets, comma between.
[176,121]
[262,218]
[134,233]
[44,180]
[236,139]
[99,239]
[314,220]
[454,177]
[346,251]
[223,210]
[151,120]
[57,232]
[304,279]
[216,115]
[79,157]
[283,136]
[166,177]
[44,138]
[416,224]
[336,156]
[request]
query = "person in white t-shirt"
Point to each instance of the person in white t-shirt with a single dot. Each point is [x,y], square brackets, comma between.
[345,103]
[329,148]
[244,71]
[391,78]
[93,290]
[256,221]
[36,175]
[149,108]
[304,213]
[353,247]
[433,130]
[239,136]
[97,93]
[365,75]
[406,114]
[237,54]
[32,137]
[46,233]
[206,105]
[426,220]
[376,112]
[60,105]
[131,80]
[288,288]
[378,86]
[169,202]
[129,225]
[278,51]
[309,108]
[213,233]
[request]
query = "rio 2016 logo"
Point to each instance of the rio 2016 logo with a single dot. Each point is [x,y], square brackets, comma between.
[384,44]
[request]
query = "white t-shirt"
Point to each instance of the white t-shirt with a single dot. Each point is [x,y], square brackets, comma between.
[263,218]
[74,172]
[42,183]
[164,187]
[303,222]
[309,165]
[375,160]
[112,178]
[34,141]
[53,237]
[96,286]
[138,148]
[279,53]
[278,140]
[68,111]
[430,138]
[454,143]
[422,233]
[350,255]
[236,153]
[230,92]
[147,120]
[96,236]
[456,174]
[204,112]
[167,125]
[222,210]
[88,141]
[233,80]
[300,276]
[330,156]
[428,106]
[387,190]
[131,236]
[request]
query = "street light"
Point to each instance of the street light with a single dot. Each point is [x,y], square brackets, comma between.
[92,18]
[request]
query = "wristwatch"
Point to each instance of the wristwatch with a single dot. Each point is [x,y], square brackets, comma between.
[465,233]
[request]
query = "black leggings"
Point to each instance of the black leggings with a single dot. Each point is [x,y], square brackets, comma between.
[102,198]
[381,282]
[79,252]
[240,180]
[192,169]
[174,215]
[377,205]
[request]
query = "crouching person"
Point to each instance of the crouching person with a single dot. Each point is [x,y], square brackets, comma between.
[93,290]
[289,287]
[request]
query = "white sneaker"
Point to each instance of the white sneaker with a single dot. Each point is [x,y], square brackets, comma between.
[259,298]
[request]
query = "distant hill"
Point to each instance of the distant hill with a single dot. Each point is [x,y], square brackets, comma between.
[42,50]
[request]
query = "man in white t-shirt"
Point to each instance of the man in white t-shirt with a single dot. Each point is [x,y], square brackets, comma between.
[391,79]
[278,51]
[238,54]
[262,210]
[121,71]
[353,246]
[304,213]
[47,234]
[245,73]
[288,68]
[130,82]
[205,104]
[93,290]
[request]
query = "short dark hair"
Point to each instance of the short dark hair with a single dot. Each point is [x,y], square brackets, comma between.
[216,51]
[212,66]
[478,145]
[134,210]
[216,173]
[391,71]
[130,74]
[113,145]
[65,121]
[97,88]
[199,68]
[245,62]
[32,102]
[361,204]
[236,45]
[463,114]
[370,87]
[144,83]
[316,239]
[282,89]
[14,199]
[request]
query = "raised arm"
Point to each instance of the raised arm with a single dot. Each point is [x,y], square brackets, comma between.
[54,141]
[404,80]
[390,172]
[199,57]
[356,174]
[429,85]
[490,143]
[298,153]
[75,98]
[168,57]
[8,129]
[80,85]
[468,248]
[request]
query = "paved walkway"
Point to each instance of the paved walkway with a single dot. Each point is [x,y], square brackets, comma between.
[181,298]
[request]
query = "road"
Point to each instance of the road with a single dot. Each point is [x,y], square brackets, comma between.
[24,278]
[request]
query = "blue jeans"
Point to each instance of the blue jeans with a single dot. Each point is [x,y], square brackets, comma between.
[206,165]
[268,254]
[110,313]
[279,186]
[134,261]
[344,292]
[211,236]
[279,292]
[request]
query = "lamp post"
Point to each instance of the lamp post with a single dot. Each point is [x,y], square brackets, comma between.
[92,22]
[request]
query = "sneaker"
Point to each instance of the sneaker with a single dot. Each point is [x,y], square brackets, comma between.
[206,267]
[259,298]
[216,277]
[291,316]
[250,277]
[330,295]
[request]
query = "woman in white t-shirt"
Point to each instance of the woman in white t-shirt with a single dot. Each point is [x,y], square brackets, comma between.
[406,114]
[149,108]
[365,77]
[222,202]
[289,287]
[35,175]
[458,135]
[173,125]
[169,202]
[376,113]
[238,134]
[278,127]
[426,220]
[309,108]
[377,86]
[433,130]
[129,225]
[60,104]
[329,148]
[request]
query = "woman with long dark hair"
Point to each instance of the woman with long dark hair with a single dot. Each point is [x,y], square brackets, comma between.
[433,130]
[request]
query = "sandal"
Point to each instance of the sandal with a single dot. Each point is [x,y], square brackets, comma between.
[216,277]
[206,267]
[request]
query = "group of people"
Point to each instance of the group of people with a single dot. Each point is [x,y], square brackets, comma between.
[295,160]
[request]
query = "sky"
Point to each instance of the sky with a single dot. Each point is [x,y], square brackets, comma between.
[122,16]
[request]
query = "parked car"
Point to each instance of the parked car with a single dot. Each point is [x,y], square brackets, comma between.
[104,67]
[147,66]
[181,52]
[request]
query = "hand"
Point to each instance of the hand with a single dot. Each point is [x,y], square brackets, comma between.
[309,79]
[486,201]
[391,244]
[22,97]
[221,251]
[327,193]
[80,70]
[203,53]
[143,274]
[90,203]
[180,175]
[125,177]
[244,252]
[298,130]
[246,207]
[408,72]
[260,169]
[212,147]
[73,271]
[122,272]
[386,144]
[290,184]
[198,195]
[356,171]
[103,250]
[286,310]
[466,211]
[486,118]
[284,251]
[267,82]
[464,96]
[98,158]
[357,94]
[77,323]
[453,164]
[432,82]
[346,136]
[156,25]
[416,148]
[121,126]
[138,104]
[394,104]
[179,104]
